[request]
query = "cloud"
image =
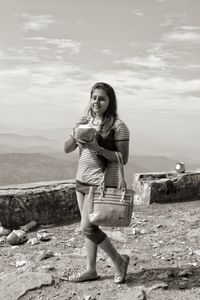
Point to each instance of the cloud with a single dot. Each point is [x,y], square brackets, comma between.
[137,13]
[190,28]
[61,44]
[184,35]
[106,51]
[152,61]
[19,55]
[137,92]
[37,23]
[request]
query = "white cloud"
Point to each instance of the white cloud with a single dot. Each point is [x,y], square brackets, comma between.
[37,23]
[190,28]
[140,93]
[61,44]
[137,13]
[19,55]
[182,36]
[151,61]
[106,51]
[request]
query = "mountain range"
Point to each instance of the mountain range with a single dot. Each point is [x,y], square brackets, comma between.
[34,158]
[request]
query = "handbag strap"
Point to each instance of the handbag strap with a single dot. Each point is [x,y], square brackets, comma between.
[122,182]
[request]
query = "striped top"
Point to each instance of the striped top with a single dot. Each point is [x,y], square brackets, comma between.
[92,166]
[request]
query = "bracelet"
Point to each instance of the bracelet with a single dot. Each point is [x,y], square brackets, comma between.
[100,151]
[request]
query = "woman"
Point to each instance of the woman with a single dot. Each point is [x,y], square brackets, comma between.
[96,157]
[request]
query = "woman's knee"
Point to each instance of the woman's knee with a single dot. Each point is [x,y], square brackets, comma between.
[93,233]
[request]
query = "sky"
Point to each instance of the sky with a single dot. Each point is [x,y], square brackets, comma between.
[53,51]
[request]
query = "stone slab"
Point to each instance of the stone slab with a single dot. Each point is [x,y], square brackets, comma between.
[165,187]
[13,286]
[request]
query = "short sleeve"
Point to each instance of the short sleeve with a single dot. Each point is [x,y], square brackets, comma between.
[121,132]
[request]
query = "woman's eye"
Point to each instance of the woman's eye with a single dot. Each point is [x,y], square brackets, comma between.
[98,98]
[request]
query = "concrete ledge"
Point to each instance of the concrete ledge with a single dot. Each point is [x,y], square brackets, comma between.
[166,187]
[50,202]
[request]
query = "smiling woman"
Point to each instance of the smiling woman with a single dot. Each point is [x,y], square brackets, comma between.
[96,157]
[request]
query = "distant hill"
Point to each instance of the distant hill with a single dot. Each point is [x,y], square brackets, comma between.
[35,158]
[30,167]
[26,167]
[9,141]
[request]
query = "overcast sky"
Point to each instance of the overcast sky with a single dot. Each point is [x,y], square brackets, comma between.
[53,51]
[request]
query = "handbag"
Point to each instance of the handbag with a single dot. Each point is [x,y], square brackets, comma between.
[111,207]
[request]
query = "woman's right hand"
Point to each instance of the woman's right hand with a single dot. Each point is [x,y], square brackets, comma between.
[81,144]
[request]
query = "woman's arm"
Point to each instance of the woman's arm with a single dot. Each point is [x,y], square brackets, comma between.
[70,145]
[122,146]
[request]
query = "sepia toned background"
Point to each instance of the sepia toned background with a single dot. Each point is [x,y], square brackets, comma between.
[52,52]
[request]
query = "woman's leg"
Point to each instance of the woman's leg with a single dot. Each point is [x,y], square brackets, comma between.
[91,247]
[80,199]
[120,261]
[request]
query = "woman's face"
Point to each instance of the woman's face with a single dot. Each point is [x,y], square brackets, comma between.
[99,102]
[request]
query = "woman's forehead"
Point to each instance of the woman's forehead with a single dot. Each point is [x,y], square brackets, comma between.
[99,92]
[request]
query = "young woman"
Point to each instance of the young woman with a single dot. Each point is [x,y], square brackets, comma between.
[95,157]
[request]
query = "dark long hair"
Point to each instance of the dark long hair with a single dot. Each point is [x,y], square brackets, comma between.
[110,114]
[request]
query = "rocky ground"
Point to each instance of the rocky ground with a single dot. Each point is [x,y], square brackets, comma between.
[163,242]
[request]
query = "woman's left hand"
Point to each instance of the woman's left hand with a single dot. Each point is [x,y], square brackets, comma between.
[93,144]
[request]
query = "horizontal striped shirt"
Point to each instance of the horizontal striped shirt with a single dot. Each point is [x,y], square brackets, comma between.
[91,167]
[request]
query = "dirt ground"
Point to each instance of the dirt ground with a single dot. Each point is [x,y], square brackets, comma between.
[163,242]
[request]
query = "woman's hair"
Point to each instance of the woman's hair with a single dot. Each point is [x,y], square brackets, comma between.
[110,114]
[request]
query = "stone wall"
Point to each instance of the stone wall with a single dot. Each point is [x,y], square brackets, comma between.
[51,202]
[55,202]
[166,187]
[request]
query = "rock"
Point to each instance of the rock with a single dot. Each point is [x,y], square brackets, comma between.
[89,298]
[163,276]
[20,263]
[17,237]
[197,252]
[43,236]
[45,254]
[158,285]
[184,273]
[183,285]
[134,293]
[29,226]
[13,286]
[194,233]
[48,268]
[4,231]
[33,241]
[141,295]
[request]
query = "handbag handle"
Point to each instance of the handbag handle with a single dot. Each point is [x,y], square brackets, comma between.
[122,182]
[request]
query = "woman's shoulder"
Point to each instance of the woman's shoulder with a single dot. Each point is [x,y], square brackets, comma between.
[119,123]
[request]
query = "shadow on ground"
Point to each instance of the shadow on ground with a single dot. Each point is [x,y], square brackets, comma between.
[175,278]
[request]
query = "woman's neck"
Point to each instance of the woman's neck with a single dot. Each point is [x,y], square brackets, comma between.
[97,121]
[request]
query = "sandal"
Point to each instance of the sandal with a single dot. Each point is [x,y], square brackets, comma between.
[120,277]
[82,277]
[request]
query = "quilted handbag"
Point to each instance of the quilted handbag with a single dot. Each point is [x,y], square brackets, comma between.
[111,207]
